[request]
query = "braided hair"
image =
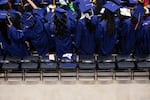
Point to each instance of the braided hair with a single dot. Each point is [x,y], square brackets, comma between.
[3,30]
[109,17]
[60,26]
[90,26]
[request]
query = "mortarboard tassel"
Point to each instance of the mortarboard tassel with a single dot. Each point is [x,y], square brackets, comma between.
[71,6]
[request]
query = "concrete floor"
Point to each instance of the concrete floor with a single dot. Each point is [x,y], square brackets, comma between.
[76,90]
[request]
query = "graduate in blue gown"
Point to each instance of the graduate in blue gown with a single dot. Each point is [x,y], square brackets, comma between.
[138,15]
[35,33]
[106,34]
[85,35]
[63,32]
[146,32]
[126,32]
[12,39]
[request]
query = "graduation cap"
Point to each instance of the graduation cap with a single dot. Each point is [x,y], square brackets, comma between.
[3,2]
[39,12]
[133,2]
[85,5]
[27,19]
[111,6]
[3,14]
[59,12]
[14,13]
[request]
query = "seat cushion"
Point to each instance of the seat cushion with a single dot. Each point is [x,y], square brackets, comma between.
[48,65]
[68,65]
[87,65]
[106,65]
[126,64]
[144,64]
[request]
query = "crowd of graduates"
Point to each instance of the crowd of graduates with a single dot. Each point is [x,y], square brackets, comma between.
[82,27]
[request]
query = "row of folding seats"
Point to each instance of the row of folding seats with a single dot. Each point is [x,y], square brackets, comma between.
[86,65]
[82,62]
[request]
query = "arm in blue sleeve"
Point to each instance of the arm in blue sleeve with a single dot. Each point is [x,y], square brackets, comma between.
[14,33]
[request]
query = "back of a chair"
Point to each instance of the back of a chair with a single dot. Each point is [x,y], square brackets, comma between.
[30,62]
[87,62]
[49,62]
[106,62]
[11,62]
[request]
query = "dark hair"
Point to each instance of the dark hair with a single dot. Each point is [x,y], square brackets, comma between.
[98,7]
[134,21]
[90,26]
[109,17]
[3,30]
[4,7]
[60,26]
[16,21]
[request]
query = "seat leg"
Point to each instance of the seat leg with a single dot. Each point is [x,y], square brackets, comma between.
[59,74]
[114,75]
[131,75]
[95,74]
[5,74]
[41,75]
[149,74]
[23,75]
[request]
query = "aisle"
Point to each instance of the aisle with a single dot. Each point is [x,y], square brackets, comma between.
[75,91]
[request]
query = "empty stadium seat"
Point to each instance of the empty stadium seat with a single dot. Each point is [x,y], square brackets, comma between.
[30,68]
[125,65]
[143,68]
[87,62]
[106,66]
[11,63]
[125,62]
[11,66]
[87,67]
[30,62]
[106,62]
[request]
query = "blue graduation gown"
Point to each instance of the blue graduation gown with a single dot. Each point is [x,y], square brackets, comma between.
[146,33]
[127,37]
[105,43]
[17,46]
[85,40]
[139,45]
[64,45]
[38,37]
